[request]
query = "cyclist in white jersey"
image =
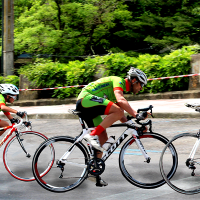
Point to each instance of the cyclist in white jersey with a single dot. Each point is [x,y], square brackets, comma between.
[8,94]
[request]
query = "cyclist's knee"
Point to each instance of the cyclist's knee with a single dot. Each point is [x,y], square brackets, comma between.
[119,113]
[3,123]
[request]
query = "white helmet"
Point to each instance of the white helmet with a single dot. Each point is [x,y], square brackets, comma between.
[9,89]
[136,73]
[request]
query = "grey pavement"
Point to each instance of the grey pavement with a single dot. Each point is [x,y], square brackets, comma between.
[162,108]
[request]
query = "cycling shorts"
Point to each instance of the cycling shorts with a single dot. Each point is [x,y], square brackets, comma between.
[92,107]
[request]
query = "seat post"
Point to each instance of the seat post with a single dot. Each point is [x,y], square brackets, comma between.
[82,122]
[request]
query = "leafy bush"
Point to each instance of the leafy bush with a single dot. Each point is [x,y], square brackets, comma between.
[176,63]
[45,73]
[12,79]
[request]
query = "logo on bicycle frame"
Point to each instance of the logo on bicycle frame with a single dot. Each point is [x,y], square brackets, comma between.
[114,146]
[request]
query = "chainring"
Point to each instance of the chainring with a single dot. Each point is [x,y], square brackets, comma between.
[99,169]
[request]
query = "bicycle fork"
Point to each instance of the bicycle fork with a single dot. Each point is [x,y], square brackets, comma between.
[190,163]
[140,146]
[21,144]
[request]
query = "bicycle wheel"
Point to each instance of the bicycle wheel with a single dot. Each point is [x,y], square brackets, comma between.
[187,177]
[140,173]
[16,161]
[61,178]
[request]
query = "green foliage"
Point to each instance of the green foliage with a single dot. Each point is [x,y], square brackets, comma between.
[66,27]
[45,73]
[1,19]
[170,24]
[12,79]
[173,64]
[89,27]
[55,74]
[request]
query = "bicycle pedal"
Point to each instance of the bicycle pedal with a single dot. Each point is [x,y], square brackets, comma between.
[193,174]
[192,167]
[61,176]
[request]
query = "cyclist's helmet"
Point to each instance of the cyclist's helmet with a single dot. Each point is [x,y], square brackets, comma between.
[8,89]
[136,73]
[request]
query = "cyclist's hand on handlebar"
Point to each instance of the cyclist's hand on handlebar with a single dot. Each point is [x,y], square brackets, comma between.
[13,120]
[27,124]
[148,113]
[142,115]
[21,114]
[145,130]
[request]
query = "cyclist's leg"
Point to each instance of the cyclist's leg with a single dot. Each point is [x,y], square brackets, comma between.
[3,124]
[93,122]
[103,137]
[91,107]
[115,113]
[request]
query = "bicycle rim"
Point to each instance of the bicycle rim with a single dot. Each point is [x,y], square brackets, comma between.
[16,161]
[184,181]
[74,169]
[133,164]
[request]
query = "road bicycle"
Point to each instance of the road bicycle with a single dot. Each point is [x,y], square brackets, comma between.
[187,177]
[75,161]
[18,152]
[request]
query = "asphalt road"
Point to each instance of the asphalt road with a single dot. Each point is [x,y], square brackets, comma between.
[118,187]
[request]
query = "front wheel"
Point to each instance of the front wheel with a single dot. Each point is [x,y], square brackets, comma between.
[16,161]
[187,177]
[64,175]
[133,164]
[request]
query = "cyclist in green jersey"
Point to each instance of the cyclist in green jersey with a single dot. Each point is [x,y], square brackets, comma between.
[105,97]
[8,94]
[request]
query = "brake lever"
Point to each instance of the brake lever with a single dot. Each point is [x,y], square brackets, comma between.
[148,122]
[151,111]
[27,124]
[147,109]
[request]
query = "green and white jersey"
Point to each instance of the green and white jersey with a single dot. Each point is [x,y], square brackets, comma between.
[105,87]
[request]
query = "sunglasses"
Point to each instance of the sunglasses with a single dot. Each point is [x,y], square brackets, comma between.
[142,84]
[14,97]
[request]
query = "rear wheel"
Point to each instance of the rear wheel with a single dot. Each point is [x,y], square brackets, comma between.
[65,175]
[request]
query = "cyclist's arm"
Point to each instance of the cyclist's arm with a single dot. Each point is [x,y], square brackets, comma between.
[123,103]
[8,109]
[9,116]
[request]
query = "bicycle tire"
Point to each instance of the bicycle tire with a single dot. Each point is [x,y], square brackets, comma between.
[76,165]
[15,159]
[183,181]
[134,166]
